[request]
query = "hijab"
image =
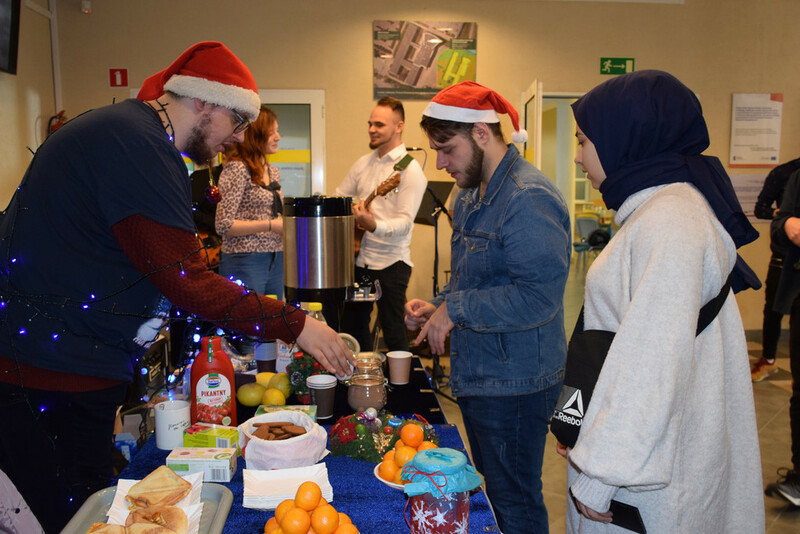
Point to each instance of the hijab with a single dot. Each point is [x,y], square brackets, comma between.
[648,129]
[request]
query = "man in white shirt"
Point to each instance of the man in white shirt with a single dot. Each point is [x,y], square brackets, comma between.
[387,221]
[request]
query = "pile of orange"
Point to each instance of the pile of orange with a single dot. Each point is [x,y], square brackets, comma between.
[308,513]
[412,441]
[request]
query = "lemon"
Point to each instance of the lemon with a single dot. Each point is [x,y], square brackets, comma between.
[281,382]
[250,394]
[264,377]
[273,397]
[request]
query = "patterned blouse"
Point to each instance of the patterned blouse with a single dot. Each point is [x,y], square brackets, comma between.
[241,200]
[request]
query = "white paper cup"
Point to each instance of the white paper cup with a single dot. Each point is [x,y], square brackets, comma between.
[172,418]
[322,389]
[399,366]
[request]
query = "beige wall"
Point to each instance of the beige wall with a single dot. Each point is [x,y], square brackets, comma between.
[26,100]
[716,47]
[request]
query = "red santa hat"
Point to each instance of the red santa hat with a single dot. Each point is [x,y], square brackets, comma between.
[471,102]
[211,72]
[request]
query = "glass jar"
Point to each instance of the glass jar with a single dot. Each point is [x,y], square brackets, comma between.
[366,389]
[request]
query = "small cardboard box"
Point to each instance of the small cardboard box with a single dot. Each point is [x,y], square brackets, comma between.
[210,435]
[217,465]
[308,409]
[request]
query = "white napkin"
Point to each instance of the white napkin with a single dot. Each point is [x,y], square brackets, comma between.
[191,504]
[265,490]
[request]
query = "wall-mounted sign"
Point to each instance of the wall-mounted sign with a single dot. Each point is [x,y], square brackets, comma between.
[118,77]
[418,59]
[616,65]
[756,129]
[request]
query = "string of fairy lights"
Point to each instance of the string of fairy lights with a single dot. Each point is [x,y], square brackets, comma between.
[46,307]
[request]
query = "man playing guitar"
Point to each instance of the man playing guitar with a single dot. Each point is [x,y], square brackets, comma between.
[387,217]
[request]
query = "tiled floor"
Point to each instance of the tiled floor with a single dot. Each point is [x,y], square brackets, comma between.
[772,412]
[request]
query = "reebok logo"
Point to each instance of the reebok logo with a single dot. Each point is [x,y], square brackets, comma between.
[569,407]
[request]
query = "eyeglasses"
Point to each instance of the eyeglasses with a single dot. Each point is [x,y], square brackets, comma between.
[241,123]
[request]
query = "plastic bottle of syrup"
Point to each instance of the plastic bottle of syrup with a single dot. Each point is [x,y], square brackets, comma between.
[315,311]
[213,385]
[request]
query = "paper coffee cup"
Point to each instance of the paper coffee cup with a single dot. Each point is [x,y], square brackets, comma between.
[322,389]
[172,418]
[399,366]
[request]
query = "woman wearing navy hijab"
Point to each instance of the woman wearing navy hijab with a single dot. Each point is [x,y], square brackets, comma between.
[671,425]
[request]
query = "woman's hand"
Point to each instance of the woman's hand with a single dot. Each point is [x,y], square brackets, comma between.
[325,345]
[587,512]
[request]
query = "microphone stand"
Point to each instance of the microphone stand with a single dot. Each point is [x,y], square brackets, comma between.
[438,374]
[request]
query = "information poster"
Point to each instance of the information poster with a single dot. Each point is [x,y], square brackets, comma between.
[418,59]
[747,188]
[756,129]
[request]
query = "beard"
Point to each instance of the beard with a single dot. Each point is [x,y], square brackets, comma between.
[197,144]
[474,171]
[376,144]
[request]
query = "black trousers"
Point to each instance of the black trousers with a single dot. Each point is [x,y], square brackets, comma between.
[56,447]
[771,327]
[794,364]
[355,321]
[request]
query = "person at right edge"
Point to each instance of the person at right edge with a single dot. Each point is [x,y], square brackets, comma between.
[771,195]
[503,306]
[671,426]
[786,236]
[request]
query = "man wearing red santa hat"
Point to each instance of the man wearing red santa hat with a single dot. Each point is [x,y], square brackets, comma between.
[502,308]
[96,243]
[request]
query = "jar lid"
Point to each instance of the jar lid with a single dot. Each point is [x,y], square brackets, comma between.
[439,471]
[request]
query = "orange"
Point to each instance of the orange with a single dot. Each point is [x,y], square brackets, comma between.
[399,444]
[325,519]
[282,508]
[412,435]
[347,528]
[307,496]
[425,445]
[403,455]
[344,518]
[322,502]
[296,521]
[387,469]
[396,479]
[271,525]
[389,455]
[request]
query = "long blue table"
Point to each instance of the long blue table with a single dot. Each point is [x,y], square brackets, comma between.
[373,506]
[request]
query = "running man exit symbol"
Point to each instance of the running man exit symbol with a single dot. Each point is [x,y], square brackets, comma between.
[118,77]
[616,65]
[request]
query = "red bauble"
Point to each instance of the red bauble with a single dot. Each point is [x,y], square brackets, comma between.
[212,194]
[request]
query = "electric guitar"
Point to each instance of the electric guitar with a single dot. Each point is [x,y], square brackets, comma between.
[211,247]
[386,187]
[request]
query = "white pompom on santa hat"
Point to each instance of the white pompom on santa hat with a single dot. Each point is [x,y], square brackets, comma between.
[208,71]
[472,102]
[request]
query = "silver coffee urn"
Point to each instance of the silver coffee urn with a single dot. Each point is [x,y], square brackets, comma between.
[318,253]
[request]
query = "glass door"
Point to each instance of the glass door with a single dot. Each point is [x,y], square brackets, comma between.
[301,152]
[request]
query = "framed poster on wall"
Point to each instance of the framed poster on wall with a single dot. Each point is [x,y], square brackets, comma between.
[756,129]
[414,59]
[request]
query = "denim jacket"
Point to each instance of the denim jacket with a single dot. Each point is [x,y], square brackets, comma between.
[510,254]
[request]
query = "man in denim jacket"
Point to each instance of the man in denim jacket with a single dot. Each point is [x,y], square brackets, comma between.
[510,254]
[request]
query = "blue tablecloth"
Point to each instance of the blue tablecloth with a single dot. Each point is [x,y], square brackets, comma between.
[373,506]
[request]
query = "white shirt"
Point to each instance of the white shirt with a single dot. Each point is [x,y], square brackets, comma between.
[394,213]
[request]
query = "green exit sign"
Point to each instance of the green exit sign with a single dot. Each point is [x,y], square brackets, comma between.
[616,65]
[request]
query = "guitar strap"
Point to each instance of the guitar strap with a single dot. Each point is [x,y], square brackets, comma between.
[403,163]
